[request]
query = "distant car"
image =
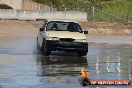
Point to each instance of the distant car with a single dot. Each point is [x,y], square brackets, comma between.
[62,36]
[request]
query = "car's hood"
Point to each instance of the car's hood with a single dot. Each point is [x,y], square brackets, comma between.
[65,34]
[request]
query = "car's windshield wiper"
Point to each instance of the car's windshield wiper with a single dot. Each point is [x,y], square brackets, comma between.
[74,31]
[60,30]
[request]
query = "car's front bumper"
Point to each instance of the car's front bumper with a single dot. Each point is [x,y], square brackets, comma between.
[66,46]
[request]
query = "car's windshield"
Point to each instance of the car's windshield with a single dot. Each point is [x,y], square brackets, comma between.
[63,26]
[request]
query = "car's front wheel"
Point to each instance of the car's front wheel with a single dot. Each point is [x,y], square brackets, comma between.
[82,53]
[45,50]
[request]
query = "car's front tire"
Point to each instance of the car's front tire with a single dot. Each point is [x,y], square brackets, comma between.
[82,53]
[44,49]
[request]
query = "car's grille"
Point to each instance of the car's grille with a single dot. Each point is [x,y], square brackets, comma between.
[67,39]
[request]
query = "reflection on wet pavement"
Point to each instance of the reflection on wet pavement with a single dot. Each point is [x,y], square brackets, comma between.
[23,66]
[54,66]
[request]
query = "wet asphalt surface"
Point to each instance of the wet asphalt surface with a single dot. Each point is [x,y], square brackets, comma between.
[23,66]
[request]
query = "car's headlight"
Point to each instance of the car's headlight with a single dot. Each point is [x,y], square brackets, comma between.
[80,40]
[51,38]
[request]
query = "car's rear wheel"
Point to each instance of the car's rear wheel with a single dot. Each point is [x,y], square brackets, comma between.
[45,50]
[37,44]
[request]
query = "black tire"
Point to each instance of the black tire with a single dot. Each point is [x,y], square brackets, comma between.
[37,44]
[44,49]
[82,53]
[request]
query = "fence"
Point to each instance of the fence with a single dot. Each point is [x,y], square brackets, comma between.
[34,15]
[97,14]
[106,15]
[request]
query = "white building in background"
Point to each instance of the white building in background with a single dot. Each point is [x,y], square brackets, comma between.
[25,5]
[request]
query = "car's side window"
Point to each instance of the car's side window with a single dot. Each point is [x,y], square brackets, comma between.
[49,26]
[44,25]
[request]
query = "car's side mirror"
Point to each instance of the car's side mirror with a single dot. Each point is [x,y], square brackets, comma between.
[85,32]
[41,29]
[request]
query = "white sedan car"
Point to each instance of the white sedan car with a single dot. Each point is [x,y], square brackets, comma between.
[62,36]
